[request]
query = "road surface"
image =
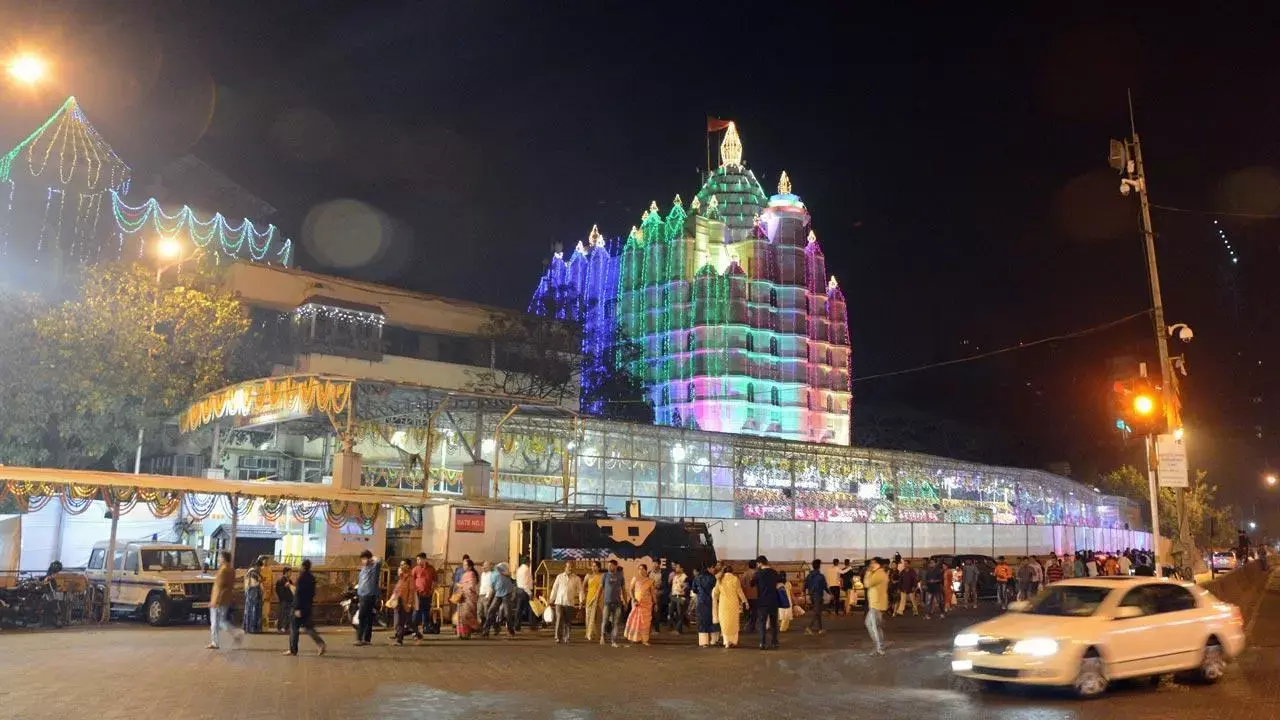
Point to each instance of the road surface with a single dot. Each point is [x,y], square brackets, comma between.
[131,671]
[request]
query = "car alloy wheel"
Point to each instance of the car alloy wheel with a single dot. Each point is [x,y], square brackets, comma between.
[1091,679]
[1213,664]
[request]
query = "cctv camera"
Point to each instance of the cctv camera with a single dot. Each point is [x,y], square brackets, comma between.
[1124,188]
[1185,334]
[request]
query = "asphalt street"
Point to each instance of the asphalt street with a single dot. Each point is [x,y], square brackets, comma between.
[131,671]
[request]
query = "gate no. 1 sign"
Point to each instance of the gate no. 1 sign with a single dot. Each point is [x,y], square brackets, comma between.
[468,520]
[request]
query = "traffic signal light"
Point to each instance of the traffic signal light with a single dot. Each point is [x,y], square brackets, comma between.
[1140,406]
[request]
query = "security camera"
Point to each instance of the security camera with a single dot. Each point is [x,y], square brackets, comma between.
[1124,188]
[1185,334]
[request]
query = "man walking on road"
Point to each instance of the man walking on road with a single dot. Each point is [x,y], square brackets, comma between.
[1004,575]
[367,591]
[832,575]
[284,596]
[815,585]
[877,584]
[767,604]
[970,580]
[303,599]
[220,602]
[749,589]
[612,594]
[566,596]
[679,602]
[908,585]
[424,584]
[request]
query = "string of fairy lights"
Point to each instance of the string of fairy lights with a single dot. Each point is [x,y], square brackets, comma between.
[1226,242]
[240,240]
[58,179]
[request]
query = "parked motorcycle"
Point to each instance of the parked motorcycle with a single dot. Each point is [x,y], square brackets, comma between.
[30,603]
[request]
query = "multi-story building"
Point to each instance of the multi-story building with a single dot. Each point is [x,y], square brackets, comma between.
[738,327]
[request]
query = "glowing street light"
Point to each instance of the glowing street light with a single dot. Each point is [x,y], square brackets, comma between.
[1253,525]
[1271,480]
[27,68]
[169,248]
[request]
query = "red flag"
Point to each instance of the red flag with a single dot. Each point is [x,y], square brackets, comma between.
[716,124]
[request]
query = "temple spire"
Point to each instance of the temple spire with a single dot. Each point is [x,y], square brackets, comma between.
[595,238]
[731,148]
[784,184]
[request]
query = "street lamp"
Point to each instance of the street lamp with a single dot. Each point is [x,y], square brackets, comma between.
[167,248]
[1271,481]
[1253,525]
[27,69]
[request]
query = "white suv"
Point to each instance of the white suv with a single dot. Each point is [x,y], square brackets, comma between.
[159,581]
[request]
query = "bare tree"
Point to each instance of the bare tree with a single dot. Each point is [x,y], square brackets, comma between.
[531,357]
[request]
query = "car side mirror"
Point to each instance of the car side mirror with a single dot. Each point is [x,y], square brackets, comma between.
[1127,612]
[1019,606]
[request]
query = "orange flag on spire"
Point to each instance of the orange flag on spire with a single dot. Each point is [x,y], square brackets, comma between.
[716,124]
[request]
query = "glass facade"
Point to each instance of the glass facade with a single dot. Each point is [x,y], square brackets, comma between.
[676,472]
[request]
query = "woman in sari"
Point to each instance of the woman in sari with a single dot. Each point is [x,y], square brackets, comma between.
[704,585]
[466,596]
[404,600]
[253,598]
[729,601]
[640,621]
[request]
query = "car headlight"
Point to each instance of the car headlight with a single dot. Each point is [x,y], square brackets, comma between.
[967,640]
[1036,647]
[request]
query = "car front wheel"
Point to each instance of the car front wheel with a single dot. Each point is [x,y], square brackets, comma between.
[1213,663]
[1091,679]
[158,610]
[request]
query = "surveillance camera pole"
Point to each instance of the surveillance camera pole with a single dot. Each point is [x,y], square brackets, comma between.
[1137,173]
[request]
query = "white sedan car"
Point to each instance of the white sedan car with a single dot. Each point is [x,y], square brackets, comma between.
[1084,633]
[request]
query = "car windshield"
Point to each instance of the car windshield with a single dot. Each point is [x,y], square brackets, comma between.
[1069,600]
[170,560]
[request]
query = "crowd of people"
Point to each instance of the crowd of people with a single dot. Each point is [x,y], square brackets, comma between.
[720,601]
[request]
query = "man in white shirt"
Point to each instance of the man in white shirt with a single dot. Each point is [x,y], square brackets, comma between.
[1091,565]
[566,595]
[679,597]
[831,573]
[1126,565]
[486,588]
[524,591]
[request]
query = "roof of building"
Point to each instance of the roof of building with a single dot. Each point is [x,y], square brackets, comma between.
[250,532]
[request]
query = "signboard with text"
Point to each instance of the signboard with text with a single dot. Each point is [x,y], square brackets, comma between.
[468,520]
[1171,456]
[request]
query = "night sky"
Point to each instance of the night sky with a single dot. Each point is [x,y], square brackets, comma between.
[954,164]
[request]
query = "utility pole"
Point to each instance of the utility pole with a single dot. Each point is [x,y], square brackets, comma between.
[1129,162]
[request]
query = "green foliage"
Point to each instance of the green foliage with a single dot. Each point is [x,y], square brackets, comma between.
[78,379]
[1210,525]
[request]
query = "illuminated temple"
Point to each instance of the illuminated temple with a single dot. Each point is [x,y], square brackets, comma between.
[63,205]
[739,328]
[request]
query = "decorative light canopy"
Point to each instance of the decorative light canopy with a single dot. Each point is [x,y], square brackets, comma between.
[784,184]
[83,159]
